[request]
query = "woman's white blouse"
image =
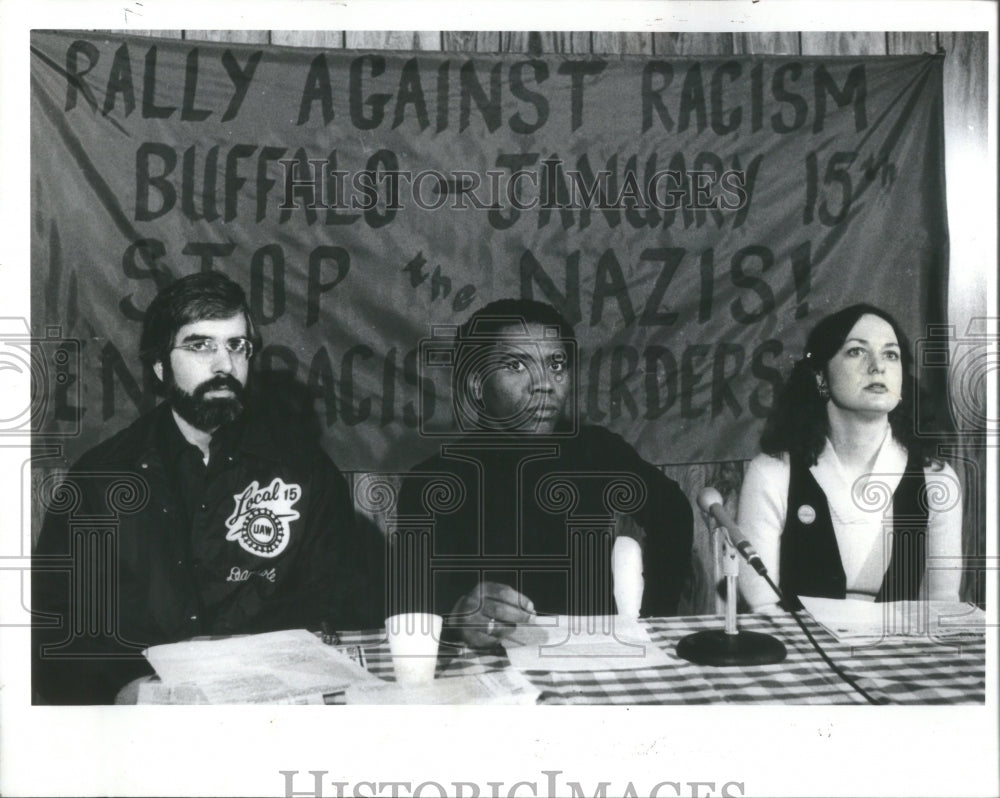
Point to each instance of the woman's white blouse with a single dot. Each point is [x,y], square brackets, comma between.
[862,521]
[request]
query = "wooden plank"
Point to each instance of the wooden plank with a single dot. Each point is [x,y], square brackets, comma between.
[581,42]
[911,43]
[474,41]
[393,40]
[965,86]
[538,42]
[693,43]
[835,43]
[769,43]
[966,118]
[234,36]
[333,39]
[615,42]
[160,34]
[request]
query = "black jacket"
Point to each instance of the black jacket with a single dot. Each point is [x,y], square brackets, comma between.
[118,567]
[536,513]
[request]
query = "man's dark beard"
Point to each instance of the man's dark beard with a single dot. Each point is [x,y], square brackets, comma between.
[207,414]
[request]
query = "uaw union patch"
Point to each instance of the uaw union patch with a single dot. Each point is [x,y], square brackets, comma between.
[262,520]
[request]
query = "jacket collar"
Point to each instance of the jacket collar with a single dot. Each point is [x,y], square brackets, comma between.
[250,434]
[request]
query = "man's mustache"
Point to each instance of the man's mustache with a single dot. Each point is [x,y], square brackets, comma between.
[219,382]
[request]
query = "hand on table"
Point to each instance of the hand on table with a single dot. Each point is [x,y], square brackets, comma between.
[489,612]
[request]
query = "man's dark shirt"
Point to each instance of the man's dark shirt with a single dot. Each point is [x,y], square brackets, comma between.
[537,513]
[270,545]
[186,466]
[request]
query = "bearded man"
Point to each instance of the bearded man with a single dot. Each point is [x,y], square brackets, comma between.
[234,520]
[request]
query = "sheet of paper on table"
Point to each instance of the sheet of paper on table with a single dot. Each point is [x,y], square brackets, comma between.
[155,692]
[583,643]
[506,686]
[856,619]
[291,666]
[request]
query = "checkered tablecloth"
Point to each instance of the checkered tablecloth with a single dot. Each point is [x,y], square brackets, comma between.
[897,670]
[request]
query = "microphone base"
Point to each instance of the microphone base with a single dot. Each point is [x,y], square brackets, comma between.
[715,647]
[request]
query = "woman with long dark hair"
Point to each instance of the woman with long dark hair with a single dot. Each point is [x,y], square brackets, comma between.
[845,500]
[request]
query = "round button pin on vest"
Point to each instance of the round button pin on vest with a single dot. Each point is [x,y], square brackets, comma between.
[806,514]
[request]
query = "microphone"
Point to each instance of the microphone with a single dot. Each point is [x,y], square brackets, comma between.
[710,503]
[730,646]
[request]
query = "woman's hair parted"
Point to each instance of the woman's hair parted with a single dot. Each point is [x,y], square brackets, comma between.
[798,422]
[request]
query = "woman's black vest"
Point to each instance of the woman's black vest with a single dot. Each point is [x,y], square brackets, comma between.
[810,561]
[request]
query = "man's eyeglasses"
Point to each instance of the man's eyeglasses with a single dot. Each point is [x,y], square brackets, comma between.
[207,347]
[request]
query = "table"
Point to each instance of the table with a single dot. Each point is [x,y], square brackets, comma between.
[898,670]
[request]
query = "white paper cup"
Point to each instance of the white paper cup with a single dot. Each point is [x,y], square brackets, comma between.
[413,642]
[626,570]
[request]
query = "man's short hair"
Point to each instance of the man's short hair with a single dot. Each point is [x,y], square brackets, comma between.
[203,295]
[501,314]
[481,331]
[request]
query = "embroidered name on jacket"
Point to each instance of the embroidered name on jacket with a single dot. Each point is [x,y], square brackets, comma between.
[262,519]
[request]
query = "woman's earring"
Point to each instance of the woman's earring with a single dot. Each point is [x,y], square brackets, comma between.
[823,389]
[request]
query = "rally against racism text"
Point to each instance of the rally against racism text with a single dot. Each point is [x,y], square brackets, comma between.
[433,94]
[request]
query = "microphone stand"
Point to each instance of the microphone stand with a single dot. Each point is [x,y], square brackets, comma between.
[730,647]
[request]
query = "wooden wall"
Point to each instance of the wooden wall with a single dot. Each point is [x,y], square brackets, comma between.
[584,42]
[965,132]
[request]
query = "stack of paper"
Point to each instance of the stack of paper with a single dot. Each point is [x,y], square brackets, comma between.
[855,620]
[493,687]
[583,643]
[277,667]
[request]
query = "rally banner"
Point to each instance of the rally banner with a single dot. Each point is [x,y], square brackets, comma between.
[693,217]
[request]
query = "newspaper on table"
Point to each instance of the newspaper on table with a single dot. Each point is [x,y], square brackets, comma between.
[857,620]
[506,686]
[153,692]
[583,643]
[291,666]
